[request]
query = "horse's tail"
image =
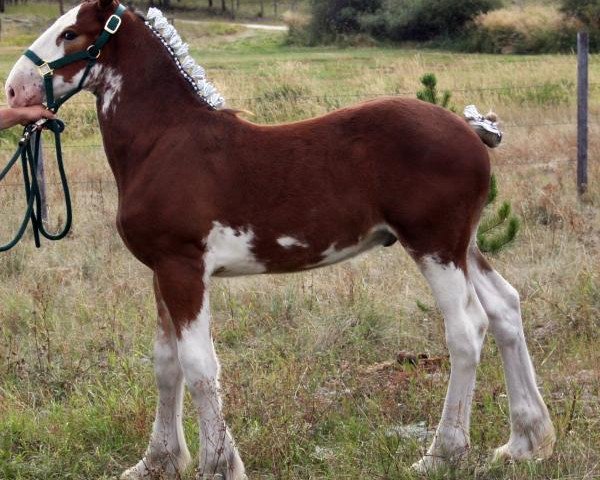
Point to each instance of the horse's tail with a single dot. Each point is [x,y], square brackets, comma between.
[485,126]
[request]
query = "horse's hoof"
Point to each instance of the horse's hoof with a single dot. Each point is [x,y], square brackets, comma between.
[429,464]
[536,444]
[215,476]
[169,467]
[220,476]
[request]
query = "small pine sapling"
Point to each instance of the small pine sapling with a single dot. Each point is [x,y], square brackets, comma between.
[429,92]
[497,229]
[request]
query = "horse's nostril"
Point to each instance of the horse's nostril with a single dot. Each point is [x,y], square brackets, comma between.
[11,92]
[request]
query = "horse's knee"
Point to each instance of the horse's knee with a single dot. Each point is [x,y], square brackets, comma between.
[465,339]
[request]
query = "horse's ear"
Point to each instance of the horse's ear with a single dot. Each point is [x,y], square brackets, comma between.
[105,3]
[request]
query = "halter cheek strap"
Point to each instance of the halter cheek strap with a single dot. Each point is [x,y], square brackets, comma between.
[90,54]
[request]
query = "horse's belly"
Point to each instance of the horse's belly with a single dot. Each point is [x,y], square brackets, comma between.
[232,252]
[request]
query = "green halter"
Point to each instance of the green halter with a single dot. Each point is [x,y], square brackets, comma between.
[90,54]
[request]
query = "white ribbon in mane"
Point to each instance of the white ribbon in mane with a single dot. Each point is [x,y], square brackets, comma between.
[179,50]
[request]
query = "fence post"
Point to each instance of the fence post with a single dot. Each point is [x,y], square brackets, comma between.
[582,111]
[41,179]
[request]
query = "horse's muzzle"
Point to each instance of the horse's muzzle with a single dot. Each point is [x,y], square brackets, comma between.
[24,85]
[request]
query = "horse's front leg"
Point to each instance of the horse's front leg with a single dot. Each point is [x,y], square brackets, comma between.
[182,284]
[167,455]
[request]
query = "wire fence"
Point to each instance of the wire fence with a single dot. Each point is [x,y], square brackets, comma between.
[365,95]
[109,181]
[594,121]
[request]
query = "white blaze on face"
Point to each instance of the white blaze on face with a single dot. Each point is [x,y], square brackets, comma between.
[24,85]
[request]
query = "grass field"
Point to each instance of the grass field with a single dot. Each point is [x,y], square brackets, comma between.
[311,386]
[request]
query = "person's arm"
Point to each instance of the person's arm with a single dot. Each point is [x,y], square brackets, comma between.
[10,117]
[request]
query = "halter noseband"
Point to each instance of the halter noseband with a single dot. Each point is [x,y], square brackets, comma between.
[90,54]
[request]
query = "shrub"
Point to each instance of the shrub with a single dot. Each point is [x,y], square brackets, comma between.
[428,19]
[297,24]
[424,19]
[533,29]
[331,18]
[586,11]
[396,19]
[429,92]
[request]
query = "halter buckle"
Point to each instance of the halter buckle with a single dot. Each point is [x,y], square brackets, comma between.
[45,70]
[112,18]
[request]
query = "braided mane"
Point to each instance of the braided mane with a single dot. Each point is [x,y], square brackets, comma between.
[193,73]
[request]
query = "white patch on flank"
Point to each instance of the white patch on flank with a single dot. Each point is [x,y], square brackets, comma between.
[289,242]
[229,252]
[372,239]
[108,84]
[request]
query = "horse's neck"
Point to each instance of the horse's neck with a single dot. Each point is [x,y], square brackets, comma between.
[140,94]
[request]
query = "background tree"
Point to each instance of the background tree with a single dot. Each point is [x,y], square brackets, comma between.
[586,11]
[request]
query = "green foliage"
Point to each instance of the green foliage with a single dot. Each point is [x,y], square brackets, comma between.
[427,19]
[331,18]
[396,20]
[429,92]
[493,193]
[533,29]
[556,38]
[586,11]
[491,237]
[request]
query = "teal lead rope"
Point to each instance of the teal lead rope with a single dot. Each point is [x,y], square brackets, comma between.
[29,156]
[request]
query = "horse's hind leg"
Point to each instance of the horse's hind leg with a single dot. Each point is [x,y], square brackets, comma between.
[167,455]
[532,433]
[465,324]
[182,285]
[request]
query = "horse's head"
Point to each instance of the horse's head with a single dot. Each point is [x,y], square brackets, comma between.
[74,32]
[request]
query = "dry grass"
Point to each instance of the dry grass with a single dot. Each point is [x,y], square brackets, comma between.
[308,392]
[533,28]
[523,20]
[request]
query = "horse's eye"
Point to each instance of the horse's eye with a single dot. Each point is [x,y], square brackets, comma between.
[69,35]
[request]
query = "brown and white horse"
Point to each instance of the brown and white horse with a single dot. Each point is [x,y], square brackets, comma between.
[204,193]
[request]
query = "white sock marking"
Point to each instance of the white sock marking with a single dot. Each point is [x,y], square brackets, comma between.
[465,323]
[531,429]
[201,370]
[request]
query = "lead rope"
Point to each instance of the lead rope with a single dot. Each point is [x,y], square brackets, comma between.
[29,156]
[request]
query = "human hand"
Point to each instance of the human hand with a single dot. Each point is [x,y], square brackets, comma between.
[23,115]
[26,115]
